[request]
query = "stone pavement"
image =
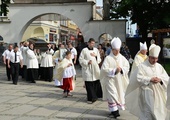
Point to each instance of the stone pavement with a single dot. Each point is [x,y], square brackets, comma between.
[43,101]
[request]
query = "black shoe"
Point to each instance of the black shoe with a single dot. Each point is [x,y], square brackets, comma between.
[9,79]
[115,114]
[33,82]
[94,100]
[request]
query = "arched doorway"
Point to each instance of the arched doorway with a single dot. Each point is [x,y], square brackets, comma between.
[53,28]
[105,38]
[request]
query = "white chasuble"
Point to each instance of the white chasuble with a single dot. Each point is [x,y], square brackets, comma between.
[168,96]
[114,85]
[145,99]
[139,58]
[168,101]
[56,57]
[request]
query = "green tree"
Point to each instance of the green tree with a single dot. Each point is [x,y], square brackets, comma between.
[148,14]
[4,7]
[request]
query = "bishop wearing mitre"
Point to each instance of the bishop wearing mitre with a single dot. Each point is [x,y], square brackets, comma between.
[114,78]
[146,94]
[140,57]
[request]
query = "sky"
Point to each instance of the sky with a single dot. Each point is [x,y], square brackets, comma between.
[99,2]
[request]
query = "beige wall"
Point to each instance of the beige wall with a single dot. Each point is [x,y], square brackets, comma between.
[72,25]
[35,31]
[38,31]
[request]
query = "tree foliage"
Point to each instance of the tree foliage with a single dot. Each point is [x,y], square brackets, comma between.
[148,14]
[4,7]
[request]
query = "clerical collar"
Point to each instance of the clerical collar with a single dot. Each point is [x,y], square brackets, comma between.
[31,49]
[90,48]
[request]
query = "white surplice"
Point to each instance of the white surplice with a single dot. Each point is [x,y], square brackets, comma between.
[32,61]
[24,54]
[90,72]
[47,60]
[139,58]
[114,86]
[63,71]
[145,99]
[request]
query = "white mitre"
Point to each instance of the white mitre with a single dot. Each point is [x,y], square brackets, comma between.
[154,50]
[143,46]
[116,43]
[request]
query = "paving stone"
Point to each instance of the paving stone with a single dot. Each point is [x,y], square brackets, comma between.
[45,111]
[5,92]
[6,106]
[62,114]
[29,118]
[42,101]
[39,94]
[22,100]
[57,118]
[20,110]
[7,98]
[63,102]
[2,117]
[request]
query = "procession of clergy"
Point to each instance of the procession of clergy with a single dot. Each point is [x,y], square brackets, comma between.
[145,92]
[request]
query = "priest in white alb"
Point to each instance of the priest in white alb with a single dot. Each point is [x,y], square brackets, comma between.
[114,78]
[89,59]
[140,57]
[146,94]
